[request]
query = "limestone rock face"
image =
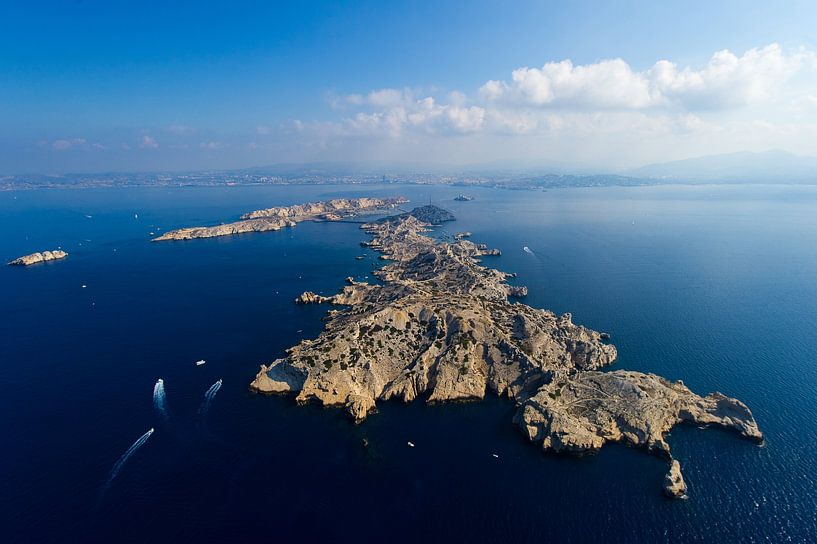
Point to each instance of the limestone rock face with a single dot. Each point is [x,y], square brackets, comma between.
[674,485]
[441,327]
[308,297]
[287,216]
[517,291]
[581,411]
[278,378]
[40,257]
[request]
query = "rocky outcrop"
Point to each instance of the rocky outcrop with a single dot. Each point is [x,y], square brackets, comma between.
[430,214]
[581,411]
[340,207]
[40,257]
[518,291]
[287,216]
[674,485]
[308,297]
[441,327]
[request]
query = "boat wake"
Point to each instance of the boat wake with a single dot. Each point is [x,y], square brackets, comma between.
[160,399]
[117,468]
[208,397]
[528,250]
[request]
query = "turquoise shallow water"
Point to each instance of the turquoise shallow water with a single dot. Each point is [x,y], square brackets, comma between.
[712,285]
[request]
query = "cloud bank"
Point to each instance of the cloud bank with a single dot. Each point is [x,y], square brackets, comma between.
[732,101]
[600,115]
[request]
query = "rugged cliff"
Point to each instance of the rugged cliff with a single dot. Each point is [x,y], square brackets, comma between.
[441,328]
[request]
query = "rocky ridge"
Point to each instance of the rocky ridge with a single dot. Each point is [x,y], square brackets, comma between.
[39,257]
[286,216]
[441,328]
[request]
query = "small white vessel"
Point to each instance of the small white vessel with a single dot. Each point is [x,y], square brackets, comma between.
[410,444]
[200,362]
[495,456]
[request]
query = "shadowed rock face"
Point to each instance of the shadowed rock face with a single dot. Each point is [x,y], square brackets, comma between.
[433,215]
[441,327]
[286,216]
[40,257]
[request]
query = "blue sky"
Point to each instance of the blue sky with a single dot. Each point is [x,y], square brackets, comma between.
[109,85]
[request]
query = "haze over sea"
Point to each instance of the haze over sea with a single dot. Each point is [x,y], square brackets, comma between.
[713,285]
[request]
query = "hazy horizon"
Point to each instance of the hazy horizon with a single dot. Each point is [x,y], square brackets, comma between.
[99,87]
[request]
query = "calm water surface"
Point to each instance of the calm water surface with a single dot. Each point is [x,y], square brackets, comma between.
[712,285]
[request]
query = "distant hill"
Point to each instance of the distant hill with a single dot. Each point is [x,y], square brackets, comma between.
[769,166]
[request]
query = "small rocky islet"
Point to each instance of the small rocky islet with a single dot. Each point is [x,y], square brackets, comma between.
[441,327]
[39,257]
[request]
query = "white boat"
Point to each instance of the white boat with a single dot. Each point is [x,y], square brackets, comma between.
[411,444]
[200,362]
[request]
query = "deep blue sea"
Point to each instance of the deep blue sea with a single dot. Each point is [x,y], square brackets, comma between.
[714,285]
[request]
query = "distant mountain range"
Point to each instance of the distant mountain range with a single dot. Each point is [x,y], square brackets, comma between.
[769,166]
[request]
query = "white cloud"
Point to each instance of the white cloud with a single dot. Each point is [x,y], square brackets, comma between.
[62,145]
[392,112]
[725,81]
[605,111]
[148,142]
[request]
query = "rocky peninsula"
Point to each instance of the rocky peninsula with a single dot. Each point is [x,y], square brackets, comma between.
[287,216]
[39,257]
[441,328]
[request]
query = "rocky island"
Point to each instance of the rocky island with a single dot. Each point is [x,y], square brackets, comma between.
[441,328]
[287,216]
[39,257]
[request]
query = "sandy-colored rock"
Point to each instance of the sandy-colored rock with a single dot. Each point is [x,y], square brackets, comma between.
[40,257]
[581,411]
[674,485]
[278,378]
[308,297]
[441,327]
[286,216]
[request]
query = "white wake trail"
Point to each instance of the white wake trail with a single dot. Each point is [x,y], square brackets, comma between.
[208,397]
[160,399]
[127,455]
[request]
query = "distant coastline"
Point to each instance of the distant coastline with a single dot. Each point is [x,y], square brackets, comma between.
[234,179]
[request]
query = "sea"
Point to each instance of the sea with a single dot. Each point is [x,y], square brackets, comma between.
[713,285]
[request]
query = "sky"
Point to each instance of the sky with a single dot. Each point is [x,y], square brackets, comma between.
[108,85]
